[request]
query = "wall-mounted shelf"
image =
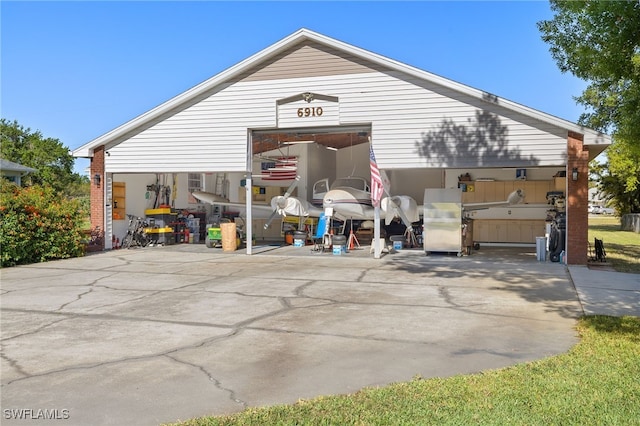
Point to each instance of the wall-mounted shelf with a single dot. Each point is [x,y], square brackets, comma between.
[119,204]
[490,191]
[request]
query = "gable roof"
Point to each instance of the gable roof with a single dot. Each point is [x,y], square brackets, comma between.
[137,124]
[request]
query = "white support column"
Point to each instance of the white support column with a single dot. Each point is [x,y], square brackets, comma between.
[377,247]
[248,227]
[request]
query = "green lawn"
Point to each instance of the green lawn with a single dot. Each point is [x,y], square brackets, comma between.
[622,247]
[596,383]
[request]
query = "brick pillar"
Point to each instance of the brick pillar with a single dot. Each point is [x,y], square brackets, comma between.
[577,200]
[97,192]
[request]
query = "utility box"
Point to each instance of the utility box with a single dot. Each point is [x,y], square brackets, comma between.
[442,219]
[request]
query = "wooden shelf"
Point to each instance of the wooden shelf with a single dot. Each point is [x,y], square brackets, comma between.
[119,204]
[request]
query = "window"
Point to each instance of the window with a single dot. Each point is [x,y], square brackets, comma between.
[195,182]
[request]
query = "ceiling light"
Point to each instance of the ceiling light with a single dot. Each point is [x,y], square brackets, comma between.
[331,148]
[297,142]
[282,168]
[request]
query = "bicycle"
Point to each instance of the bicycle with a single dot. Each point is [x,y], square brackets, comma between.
[136,237]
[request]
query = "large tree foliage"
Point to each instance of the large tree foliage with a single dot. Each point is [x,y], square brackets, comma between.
[618,178]
[49,156]
[599,42]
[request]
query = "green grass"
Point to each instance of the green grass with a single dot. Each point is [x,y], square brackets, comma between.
[622,247]
[596,383]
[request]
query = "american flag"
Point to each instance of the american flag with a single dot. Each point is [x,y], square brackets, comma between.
[282,168]
[376,181]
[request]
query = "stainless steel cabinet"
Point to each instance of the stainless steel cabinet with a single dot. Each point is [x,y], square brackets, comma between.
[442,220]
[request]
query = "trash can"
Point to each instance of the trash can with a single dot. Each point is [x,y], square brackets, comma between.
[339,244]
[398,241]
[541,248]
[299,238]
[229,241]
[288,237]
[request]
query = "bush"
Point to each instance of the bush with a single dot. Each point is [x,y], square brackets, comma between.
[37,224]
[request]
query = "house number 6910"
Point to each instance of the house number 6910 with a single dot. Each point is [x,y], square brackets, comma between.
[309,112]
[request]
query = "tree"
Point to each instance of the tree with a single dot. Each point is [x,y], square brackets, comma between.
[599,42]
[49,156]
[618,177]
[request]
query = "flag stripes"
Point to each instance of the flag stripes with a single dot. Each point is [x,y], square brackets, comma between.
[376,180]
[283,168]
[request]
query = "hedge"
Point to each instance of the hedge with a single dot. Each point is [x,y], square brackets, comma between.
[37,225]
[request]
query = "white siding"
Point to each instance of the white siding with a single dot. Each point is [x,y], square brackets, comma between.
[415,124]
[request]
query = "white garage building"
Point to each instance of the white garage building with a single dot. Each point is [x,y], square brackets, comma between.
[426,132]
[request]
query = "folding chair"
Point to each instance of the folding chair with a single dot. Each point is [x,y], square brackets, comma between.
[601,255]
[597,253]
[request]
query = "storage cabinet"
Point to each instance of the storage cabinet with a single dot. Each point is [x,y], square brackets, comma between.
[507,231]
[119,192]
[560,184]
[489,191]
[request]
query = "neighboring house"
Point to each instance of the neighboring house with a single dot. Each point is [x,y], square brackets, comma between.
[322,102]
[14,171]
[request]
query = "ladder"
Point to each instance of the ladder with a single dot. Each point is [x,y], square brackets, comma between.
[220,188]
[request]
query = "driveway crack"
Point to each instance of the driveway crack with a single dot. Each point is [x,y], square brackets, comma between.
[217,383]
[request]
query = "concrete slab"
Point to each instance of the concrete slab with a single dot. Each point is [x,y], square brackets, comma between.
[606,292]
[166,333]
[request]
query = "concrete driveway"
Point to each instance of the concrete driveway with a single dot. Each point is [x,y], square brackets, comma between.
[142,337]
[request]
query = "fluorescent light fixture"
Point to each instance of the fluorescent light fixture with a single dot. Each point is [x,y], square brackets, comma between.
[297,142]
[331,148]
[282,168]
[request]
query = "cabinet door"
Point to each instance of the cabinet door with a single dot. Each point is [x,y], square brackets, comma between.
[481,230]
[480,189]
[513,231]
[497,231]
[560,184]
[509,187]
[494,191]
[470,195]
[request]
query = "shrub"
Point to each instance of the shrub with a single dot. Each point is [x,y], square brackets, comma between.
[37,224]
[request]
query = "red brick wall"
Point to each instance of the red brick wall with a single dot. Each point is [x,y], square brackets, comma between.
[577,200]
[97,192]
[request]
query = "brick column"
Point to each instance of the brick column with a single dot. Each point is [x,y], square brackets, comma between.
[97,192]
[577,200]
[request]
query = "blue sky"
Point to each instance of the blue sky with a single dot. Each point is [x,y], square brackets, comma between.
[75,70]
